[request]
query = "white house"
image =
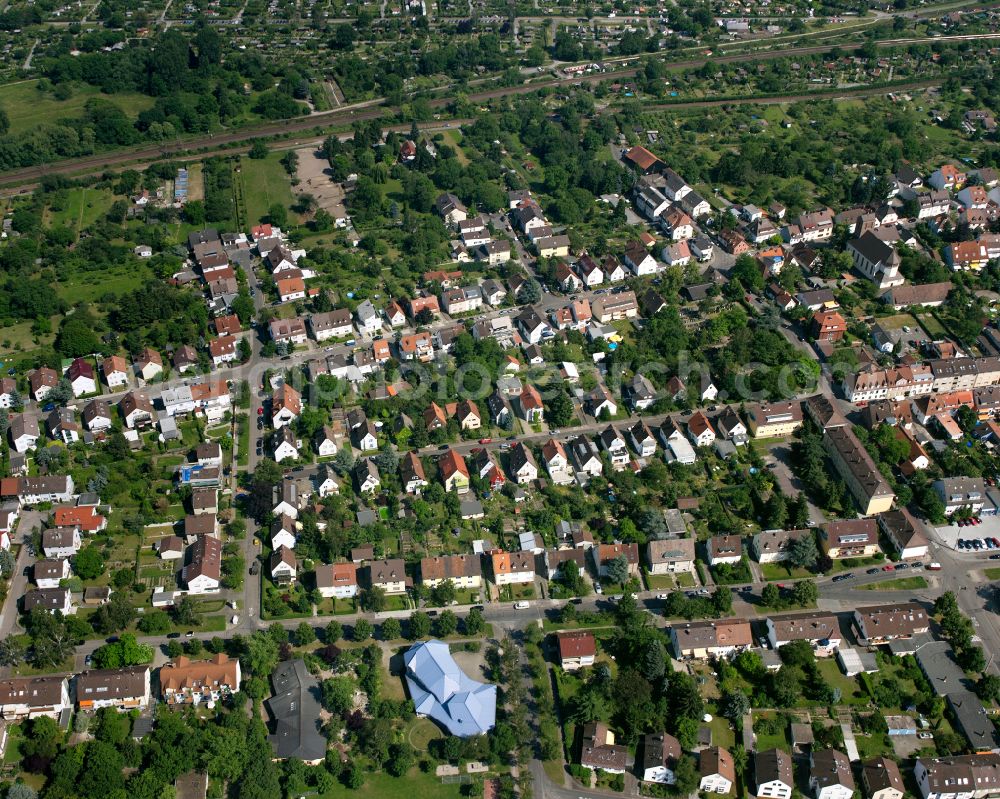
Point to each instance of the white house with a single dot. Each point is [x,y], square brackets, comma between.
[639,260]
[660,753]
[337,580]
[61,542]
[556,462]
[283,532]
[830,775]
[285,445]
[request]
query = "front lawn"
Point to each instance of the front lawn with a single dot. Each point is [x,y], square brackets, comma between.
[783,571]
[414,783]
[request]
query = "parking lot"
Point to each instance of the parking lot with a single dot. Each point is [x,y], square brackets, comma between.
[950,534]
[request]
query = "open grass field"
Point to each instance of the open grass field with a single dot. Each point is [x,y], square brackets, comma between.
[27,107]
[266,183]
[81,208]
[415,783]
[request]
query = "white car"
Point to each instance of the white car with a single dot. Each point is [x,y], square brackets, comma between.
[522,605]
[234,620]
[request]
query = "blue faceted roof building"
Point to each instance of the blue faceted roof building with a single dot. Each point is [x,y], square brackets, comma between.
[442,691]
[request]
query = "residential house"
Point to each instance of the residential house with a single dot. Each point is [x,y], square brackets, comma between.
[613,443]
[23,432]
[187,682]
[660,753]
[115,371]
[598,750]
[33,697]
[530,403]
[50,600]
[725,548]
[771,546]
[149,364]
[603,554]
[464,571]
[614,307]
[880,624]
[556,559]
[123,689]
[41,381]
[670,555]
[61,542]
[411,473]
[586,456]
[947,177]
[283,532]
[642,439]
[830,774]
[522,466]
[828,326]
[136,409]
[288,331]
[881,779]
[820,629]
[702,640]
[851,538]
[958,777]
[731,427]
[512,567]
[331,324]
[284,566]
[337,580]
[556,462]
[286,406]
[717,770]
[366,476]
[677,446]
[904,533]
[639,393]
[774,774]
[577,649]
[961,492]
[639,260]
[80,375]
[388,574]
[700,430]
[774,420]
[48,573]
[203,572]
[454,472]
[284,445]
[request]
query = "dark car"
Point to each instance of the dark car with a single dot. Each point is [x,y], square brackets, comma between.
[173,635]
[842,577]
[876,570]
[902,566]
[478,607]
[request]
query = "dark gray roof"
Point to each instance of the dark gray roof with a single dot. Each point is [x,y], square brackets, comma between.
[295,708]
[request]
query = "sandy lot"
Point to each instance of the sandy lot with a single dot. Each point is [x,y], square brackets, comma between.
[314,179]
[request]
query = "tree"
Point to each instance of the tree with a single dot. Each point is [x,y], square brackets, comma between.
[617,570]
[475,622]
[803,551]
[362,630]
[530,292]
[126,651]
[419,625]
[258,150]
[333,632]
[735,705]
[391,629]
[304,634]
[89,563]
[338,695]
[686,776]
[12,651]
[722,601]
[401,759]
[186,612]
[446,624]
[277,215]
[20,790]
[6,563]
[373,599]
[559,409]
[805,593]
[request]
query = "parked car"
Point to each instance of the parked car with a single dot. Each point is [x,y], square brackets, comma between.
[876,570]
[888,568]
